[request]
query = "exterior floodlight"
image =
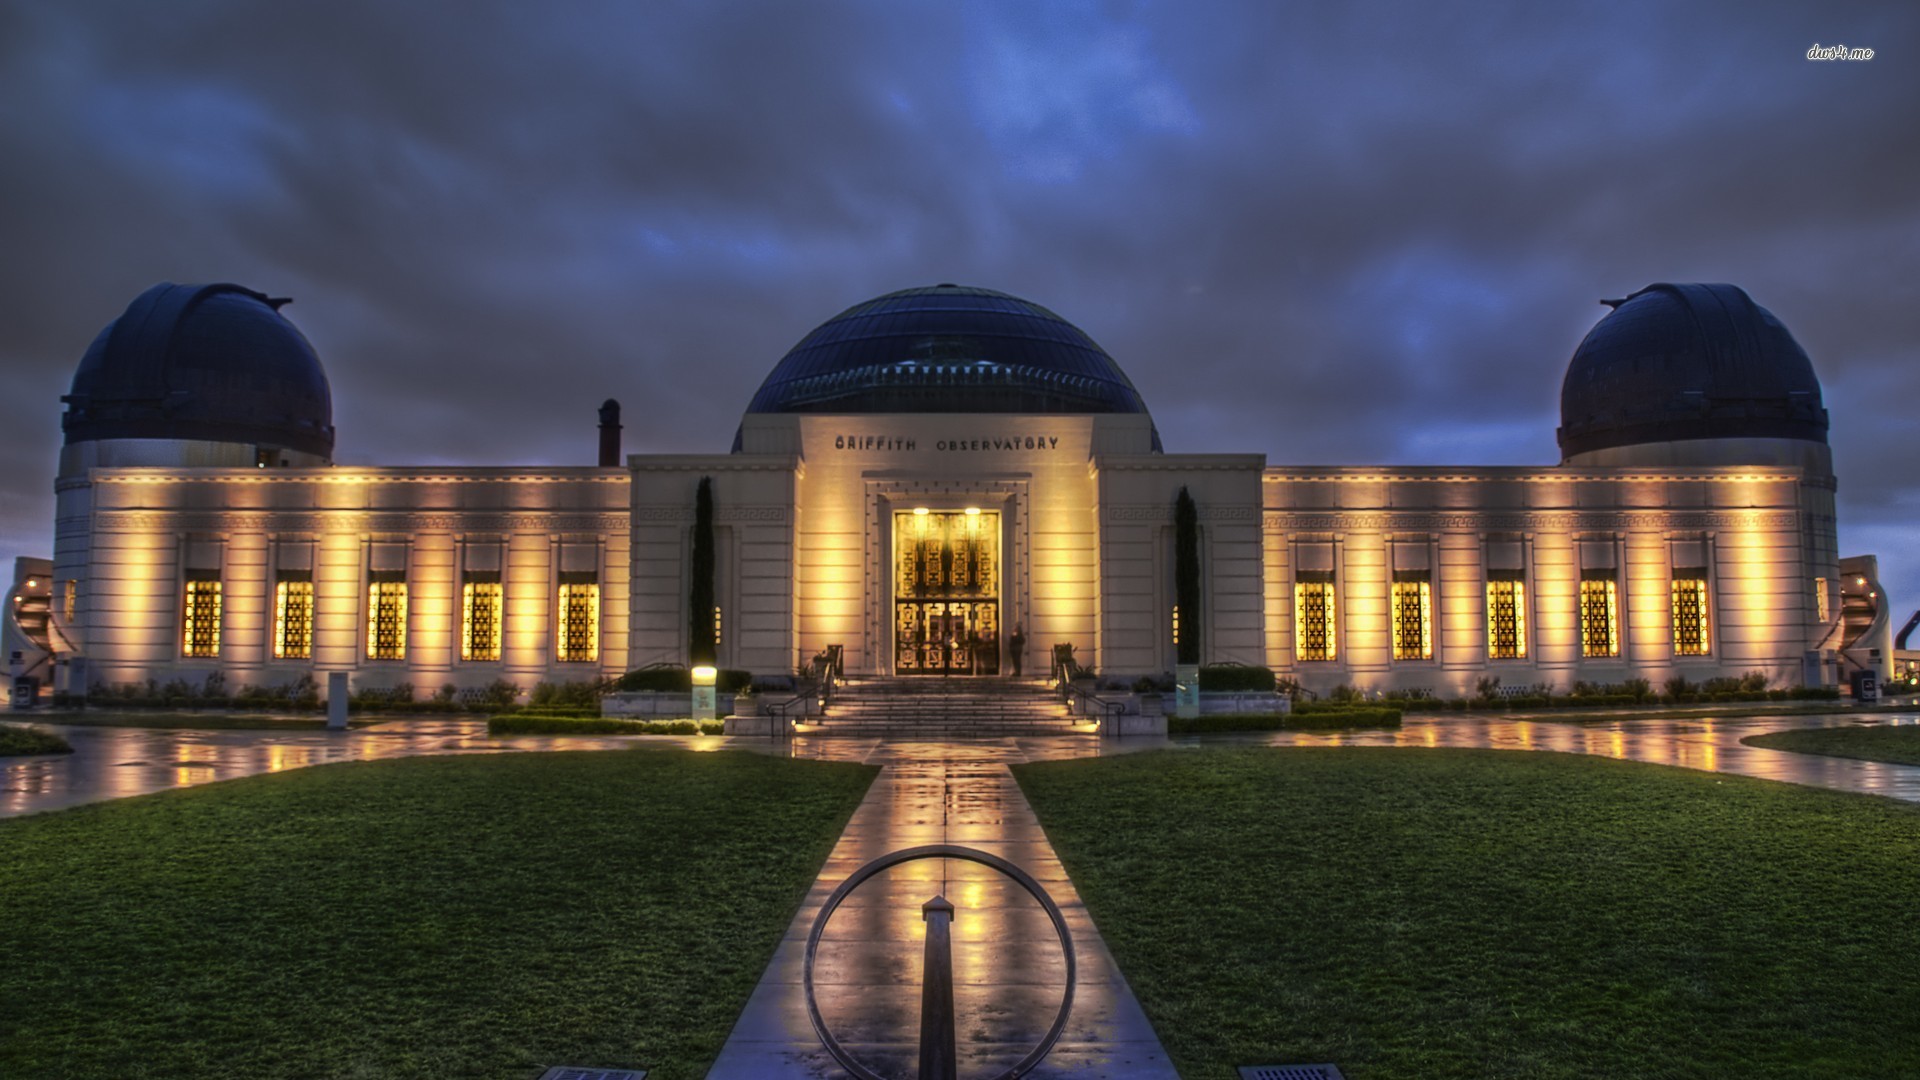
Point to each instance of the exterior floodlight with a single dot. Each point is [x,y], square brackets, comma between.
[33,583]
[919,511]
[703,694]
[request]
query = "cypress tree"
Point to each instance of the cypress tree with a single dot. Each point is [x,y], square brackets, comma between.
[700,648]
[1186,576]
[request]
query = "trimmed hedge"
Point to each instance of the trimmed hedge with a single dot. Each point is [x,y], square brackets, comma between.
[16,741]
[1335,719]
[1593,701]
[1235,678]
[520,724]
[1321,720]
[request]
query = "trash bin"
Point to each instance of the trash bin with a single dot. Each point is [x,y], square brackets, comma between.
[26,691]
[1866,686]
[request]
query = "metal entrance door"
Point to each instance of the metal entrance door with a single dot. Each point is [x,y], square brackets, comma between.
[946,637]
[946,593]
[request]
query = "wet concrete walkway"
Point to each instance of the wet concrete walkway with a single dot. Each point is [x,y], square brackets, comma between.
[117,762]
[1008,970]
[1710,744]
[112,762]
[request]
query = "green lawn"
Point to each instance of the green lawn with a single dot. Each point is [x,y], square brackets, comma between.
[1898,745]
[1415,913]
[16,741]
[426,917]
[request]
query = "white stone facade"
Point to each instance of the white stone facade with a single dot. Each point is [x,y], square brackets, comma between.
[1688,533]
[805,560]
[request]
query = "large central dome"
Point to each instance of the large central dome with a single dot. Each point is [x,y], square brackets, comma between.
[947,349]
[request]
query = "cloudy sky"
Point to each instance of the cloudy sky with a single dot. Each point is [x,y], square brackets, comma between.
[1349,233]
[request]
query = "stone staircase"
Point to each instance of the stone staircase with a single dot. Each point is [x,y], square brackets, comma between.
[945,708]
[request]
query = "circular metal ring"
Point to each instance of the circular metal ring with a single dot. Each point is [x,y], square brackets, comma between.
[941,851]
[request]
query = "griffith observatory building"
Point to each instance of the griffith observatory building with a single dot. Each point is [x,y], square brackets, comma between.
[928,469]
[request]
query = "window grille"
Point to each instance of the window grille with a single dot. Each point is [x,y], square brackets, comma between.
[200,632]
[1690,613]
[1599,617]
[579,622]
[1313,615]
[1506,619]
[1412,619]
[387,619]
[480,617]
[293,618]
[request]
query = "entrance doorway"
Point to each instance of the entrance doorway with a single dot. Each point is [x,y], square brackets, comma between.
[946,592]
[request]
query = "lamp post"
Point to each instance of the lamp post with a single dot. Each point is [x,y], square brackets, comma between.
[704,695]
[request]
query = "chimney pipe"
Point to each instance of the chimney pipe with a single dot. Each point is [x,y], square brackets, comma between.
[609,434]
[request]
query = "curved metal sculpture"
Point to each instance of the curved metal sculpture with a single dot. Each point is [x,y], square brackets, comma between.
[941,851]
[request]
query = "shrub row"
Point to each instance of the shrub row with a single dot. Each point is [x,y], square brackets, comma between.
[521,724]
[1235,678]
[1318,720]
[1589,701]
[680,680]
[1353,717]
[15,741]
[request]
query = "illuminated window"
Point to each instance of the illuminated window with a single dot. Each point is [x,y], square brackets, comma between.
[481,612]
[1822,607]
[200,617]
[716,625]
[1599,616]
[72,597]
[1506,618]
[1690,612]
[1313,619]
[579,620]
[293,617]
[1176,625]
[1412,617]
[387,601]
[387,618]
[482,599]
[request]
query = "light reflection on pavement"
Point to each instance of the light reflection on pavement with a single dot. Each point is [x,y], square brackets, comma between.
[110,762]
[115,762]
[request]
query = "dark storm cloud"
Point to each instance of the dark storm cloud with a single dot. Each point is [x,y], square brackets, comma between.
[1345,234]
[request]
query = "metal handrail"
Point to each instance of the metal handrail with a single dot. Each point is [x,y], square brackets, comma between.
[1109,710]
[779,709]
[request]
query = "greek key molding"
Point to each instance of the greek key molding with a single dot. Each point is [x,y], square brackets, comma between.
[1157,512]
[751,513]
[663,513]
[354,521]
[721,513]
[1417,521]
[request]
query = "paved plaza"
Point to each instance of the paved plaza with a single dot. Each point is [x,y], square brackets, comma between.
[112,763]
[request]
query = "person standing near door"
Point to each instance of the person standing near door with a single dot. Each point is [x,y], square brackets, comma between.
[1016,644]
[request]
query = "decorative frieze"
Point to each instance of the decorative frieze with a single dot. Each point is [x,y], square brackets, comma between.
[353,521]
[750,513]
[1494,521]
[1157,512]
